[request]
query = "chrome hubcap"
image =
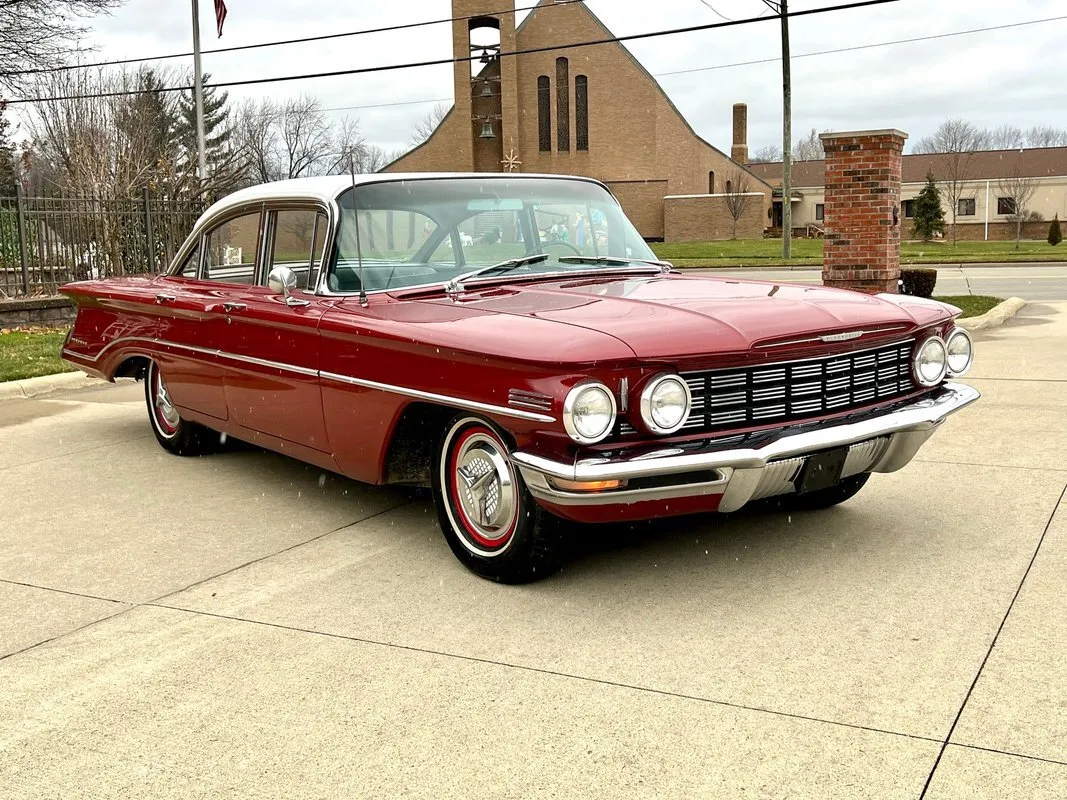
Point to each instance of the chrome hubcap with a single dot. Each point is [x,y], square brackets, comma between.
[168,415]
[485,488]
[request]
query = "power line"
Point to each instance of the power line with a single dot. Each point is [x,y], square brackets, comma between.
[465,59]
[280,42]
[862,46]
[715,12]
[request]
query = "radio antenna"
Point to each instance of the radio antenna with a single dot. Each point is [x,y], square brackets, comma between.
[359,249]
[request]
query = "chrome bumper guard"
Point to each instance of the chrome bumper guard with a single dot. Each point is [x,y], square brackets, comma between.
[881,444]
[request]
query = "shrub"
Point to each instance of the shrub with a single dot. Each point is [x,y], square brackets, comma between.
[1055,235]
[918,282]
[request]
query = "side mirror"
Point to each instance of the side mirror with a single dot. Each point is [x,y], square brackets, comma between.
[282,280]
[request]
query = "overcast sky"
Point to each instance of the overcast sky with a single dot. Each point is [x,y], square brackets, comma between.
[1011,76]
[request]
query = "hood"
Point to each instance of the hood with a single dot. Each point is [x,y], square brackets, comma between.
[678,316]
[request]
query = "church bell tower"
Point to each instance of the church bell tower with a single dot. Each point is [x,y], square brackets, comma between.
[486,86]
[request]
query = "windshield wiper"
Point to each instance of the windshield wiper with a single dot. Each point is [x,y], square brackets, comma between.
[664,266]
[455,286]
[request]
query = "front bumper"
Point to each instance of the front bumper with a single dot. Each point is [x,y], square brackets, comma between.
[880,444]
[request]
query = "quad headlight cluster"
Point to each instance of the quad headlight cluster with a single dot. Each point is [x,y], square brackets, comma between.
[938,357]
[589,410]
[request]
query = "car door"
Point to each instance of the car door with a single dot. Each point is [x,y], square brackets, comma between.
[191,330]
[272,379]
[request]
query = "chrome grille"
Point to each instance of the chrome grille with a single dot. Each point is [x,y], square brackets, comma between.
[736,398]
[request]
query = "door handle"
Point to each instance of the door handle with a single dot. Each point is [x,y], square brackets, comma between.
[231,307]
[165,298]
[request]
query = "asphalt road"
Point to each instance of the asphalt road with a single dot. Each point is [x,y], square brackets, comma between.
[244,626]
[1032,282]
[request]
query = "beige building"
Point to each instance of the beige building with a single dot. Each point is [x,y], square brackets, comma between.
[592,111]
[984,209]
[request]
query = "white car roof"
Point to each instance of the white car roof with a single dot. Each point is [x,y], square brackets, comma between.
[328,187]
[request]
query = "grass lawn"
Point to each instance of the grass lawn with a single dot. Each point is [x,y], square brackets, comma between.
[808,252]
[30,353]
[973,305]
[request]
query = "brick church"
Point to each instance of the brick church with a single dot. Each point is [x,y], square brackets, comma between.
[588,111]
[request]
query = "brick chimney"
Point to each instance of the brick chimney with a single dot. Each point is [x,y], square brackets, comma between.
[739,151]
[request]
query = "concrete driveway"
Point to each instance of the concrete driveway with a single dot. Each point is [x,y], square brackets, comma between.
[241,625]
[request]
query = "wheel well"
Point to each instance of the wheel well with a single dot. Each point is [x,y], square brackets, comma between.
[133,367]
[410,454]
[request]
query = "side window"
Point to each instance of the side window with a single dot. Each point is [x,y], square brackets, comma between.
[299,235]
[191,264]
[231,250]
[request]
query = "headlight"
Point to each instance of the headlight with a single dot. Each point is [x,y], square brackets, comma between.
[589,412]
[931,362]
[665,404]
[960,352]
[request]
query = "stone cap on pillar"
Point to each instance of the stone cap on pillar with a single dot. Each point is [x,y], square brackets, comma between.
[831,135]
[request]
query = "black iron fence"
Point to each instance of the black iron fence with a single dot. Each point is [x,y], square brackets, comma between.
[48,241]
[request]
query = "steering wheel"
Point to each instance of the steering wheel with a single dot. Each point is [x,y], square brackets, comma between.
[576,250]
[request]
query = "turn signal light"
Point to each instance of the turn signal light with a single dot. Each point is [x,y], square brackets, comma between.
[586,486]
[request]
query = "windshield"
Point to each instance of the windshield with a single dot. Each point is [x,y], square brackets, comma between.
[418,232]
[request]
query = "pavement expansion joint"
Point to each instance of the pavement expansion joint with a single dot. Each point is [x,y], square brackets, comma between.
[1007,753]
[542,671]
[313,539]
[987,464]
[65,591]
[75,452]
[993,643]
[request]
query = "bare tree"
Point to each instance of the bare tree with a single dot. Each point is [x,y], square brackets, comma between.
[1005,137]
[737,197]
[955,142]
[425,127]
[1019,190]
[295,139]
[371,159]
[1044,136]
[38,34]
[768,154]
[809,148]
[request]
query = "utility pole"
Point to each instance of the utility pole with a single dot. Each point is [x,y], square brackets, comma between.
[198,94]
[782,9]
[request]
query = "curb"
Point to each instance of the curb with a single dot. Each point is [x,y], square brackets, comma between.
[995,317]
[46,384]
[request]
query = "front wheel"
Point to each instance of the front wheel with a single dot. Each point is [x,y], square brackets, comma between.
[824,498]
[174,434]
[489,519]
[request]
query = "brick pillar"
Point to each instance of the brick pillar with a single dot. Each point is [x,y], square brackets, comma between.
[862,210]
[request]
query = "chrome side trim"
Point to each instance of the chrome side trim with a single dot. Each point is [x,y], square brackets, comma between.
[540,488]
[907,428]
[457,402]
[470,405]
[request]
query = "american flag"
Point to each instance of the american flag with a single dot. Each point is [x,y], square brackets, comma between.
[220,15]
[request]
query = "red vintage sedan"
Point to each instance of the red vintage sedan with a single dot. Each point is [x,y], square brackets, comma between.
[512,342]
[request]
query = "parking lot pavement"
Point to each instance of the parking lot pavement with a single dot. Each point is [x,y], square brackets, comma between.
[242,625]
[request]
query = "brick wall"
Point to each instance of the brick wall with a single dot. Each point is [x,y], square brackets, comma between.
[862,249]
[998,231]
[636,136]
[703,218]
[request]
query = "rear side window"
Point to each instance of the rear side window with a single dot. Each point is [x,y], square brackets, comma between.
[231,250]
[191,265]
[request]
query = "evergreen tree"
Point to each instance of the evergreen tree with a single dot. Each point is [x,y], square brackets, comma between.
[217,130]
[151,120]
[8,171]
[1055,235]
[929,218]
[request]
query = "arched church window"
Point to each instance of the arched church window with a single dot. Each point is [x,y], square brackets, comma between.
[563,105]
[711,183]
[544,115]
[581,112]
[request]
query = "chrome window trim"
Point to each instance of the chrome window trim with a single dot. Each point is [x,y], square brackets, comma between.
[271,209]
[457,402]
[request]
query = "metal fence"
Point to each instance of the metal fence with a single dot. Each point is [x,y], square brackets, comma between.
[48,241]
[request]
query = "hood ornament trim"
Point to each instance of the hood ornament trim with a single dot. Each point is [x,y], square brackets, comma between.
[845,336]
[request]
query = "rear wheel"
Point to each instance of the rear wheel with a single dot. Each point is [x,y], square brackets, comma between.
[174,434]
[491,522]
